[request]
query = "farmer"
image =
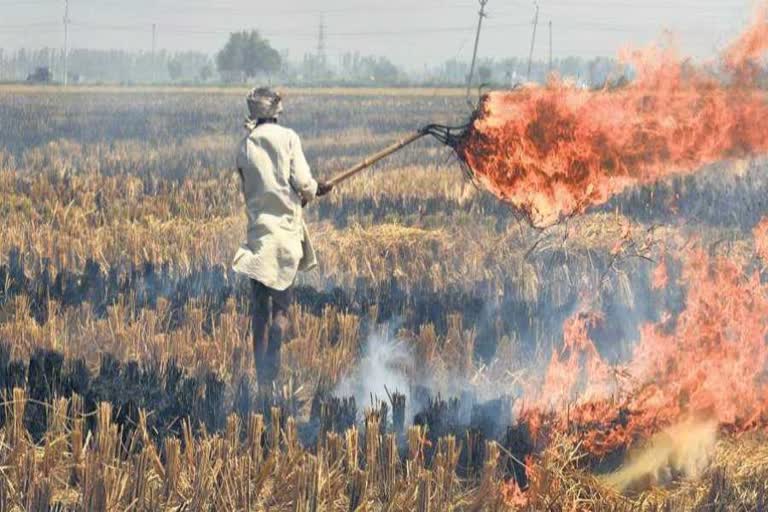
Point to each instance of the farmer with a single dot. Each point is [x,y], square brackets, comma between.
[277,183]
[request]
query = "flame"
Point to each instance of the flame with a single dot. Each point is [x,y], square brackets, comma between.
[710,362]
[750,45]
[660,276]
[513,496]
[760,233]
[554,151]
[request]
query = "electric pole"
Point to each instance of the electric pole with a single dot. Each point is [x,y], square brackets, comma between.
[321,57]
[550,46]
[480,17]
[154,49]
[66,41]
[533,41]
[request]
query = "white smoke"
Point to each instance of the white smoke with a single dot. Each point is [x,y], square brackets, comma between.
[387,364]
[383,367]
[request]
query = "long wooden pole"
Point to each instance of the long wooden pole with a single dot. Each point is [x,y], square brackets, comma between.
[371,160]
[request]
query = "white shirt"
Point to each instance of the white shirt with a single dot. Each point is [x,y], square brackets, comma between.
[275,178]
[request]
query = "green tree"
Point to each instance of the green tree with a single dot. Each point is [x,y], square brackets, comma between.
[485,74]
[246,55]
[175,69]
[206,72]
[380,70]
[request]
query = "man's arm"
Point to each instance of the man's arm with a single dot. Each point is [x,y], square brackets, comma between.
[240,161]
[301,176]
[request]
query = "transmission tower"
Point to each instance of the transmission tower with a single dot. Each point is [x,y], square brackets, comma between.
[66,41]
[321,56]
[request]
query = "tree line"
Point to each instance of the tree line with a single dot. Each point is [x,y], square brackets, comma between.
[248,56]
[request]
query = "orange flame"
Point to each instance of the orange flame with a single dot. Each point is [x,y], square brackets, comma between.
[660,276]
[711,363]
[554,151]
[760,233]
[750,45]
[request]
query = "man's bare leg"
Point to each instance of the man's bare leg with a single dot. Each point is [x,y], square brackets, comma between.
[278,329]
[260,320]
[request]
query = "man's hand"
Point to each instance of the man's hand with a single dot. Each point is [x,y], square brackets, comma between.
[323,188]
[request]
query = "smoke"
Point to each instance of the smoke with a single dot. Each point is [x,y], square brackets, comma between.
[389,364]
[683,450]
[383,368]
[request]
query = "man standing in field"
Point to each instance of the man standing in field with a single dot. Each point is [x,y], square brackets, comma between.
[277,183]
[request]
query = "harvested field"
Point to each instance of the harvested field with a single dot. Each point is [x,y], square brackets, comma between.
[125,356]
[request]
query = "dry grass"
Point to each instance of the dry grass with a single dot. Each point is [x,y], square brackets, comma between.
[398,92]
[411,243]
[252,466]
[255,466]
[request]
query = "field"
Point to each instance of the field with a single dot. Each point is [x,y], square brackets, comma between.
[126,364]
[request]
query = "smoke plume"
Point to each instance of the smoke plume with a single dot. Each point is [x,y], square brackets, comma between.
[382,369]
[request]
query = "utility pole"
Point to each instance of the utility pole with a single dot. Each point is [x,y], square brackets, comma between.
[480,17]
[321,57]
[533,41]
[550,46]
[66,41]
[154,50]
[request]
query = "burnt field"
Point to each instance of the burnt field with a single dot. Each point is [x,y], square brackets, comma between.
[445,355]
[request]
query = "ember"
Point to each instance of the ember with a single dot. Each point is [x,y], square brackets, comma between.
[554,151]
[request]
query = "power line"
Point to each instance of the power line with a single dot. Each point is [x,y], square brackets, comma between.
[290,32]
[200,30]
[208,6]
[32,24]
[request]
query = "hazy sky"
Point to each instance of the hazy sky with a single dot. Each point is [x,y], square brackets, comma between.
[411,33]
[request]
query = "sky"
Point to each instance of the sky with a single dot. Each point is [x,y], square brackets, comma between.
[411,33]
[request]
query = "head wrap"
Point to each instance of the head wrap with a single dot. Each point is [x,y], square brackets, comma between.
[264,103]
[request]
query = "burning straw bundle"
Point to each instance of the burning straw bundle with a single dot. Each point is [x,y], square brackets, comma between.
[554,151]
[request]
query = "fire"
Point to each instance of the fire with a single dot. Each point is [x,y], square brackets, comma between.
[760,233]
[554,151]
[708,363]
[749,46]
[660,276]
